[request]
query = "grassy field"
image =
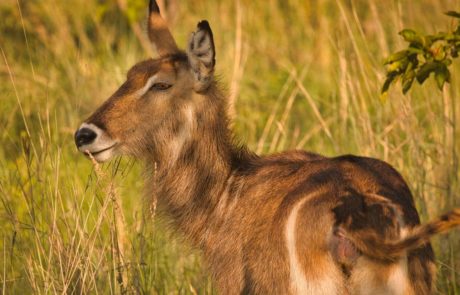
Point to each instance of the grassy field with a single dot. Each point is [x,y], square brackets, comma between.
[300,74]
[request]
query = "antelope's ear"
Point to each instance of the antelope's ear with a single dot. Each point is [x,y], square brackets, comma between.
[159,33]
[202,55]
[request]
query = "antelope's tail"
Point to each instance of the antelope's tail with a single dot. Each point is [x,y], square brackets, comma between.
[371,245]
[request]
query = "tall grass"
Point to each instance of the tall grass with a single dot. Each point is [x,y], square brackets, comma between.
[300,74]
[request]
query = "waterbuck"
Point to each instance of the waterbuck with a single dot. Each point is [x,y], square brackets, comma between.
[290,223]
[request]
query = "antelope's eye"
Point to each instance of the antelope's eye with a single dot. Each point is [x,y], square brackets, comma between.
[160,86]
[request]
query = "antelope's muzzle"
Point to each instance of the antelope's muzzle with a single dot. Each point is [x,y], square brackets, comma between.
[92,140]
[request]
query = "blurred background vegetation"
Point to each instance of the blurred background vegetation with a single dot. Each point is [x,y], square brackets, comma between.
[299,74]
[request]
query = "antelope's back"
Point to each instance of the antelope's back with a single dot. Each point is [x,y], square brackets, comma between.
[294,202]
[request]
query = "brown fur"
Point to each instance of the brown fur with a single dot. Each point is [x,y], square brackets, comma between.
[294,222]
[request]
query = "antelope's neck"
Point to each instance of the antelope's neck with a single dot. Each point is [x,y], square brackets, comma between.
[194,172]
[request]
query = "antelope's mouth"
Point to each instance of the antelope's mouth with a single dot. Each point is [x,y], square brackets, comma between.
[87,152]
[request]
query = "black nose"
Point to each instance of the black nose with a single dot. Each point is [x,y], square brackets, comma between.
[84,136]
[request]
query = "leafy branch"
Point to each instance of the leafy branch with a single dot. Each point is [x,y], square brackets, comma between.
[425,55]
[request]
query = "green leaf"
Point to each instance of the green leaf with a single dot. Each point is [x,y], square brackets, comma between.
[424,72]
[386,85]
[413,38]
[396,56]
[442,75]
[408,78]
[407,84]
[438,36]
[415,50]
[408,34]
[398,66]
[452,13]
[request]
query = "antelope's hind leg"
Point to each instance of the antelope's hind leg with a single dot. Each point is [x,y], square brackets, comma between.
[308,231]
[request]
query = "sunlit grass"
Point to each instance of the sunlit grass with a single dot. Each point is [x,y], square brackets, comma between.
[300,74]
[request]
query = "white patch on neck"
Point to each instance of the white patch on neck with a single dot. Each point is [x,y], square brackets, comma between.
[185,132]
[325,285]
[223,207]
[147,86]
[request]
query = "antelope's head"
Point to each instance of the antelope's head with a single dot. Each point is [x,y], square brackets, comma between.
[158,100]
